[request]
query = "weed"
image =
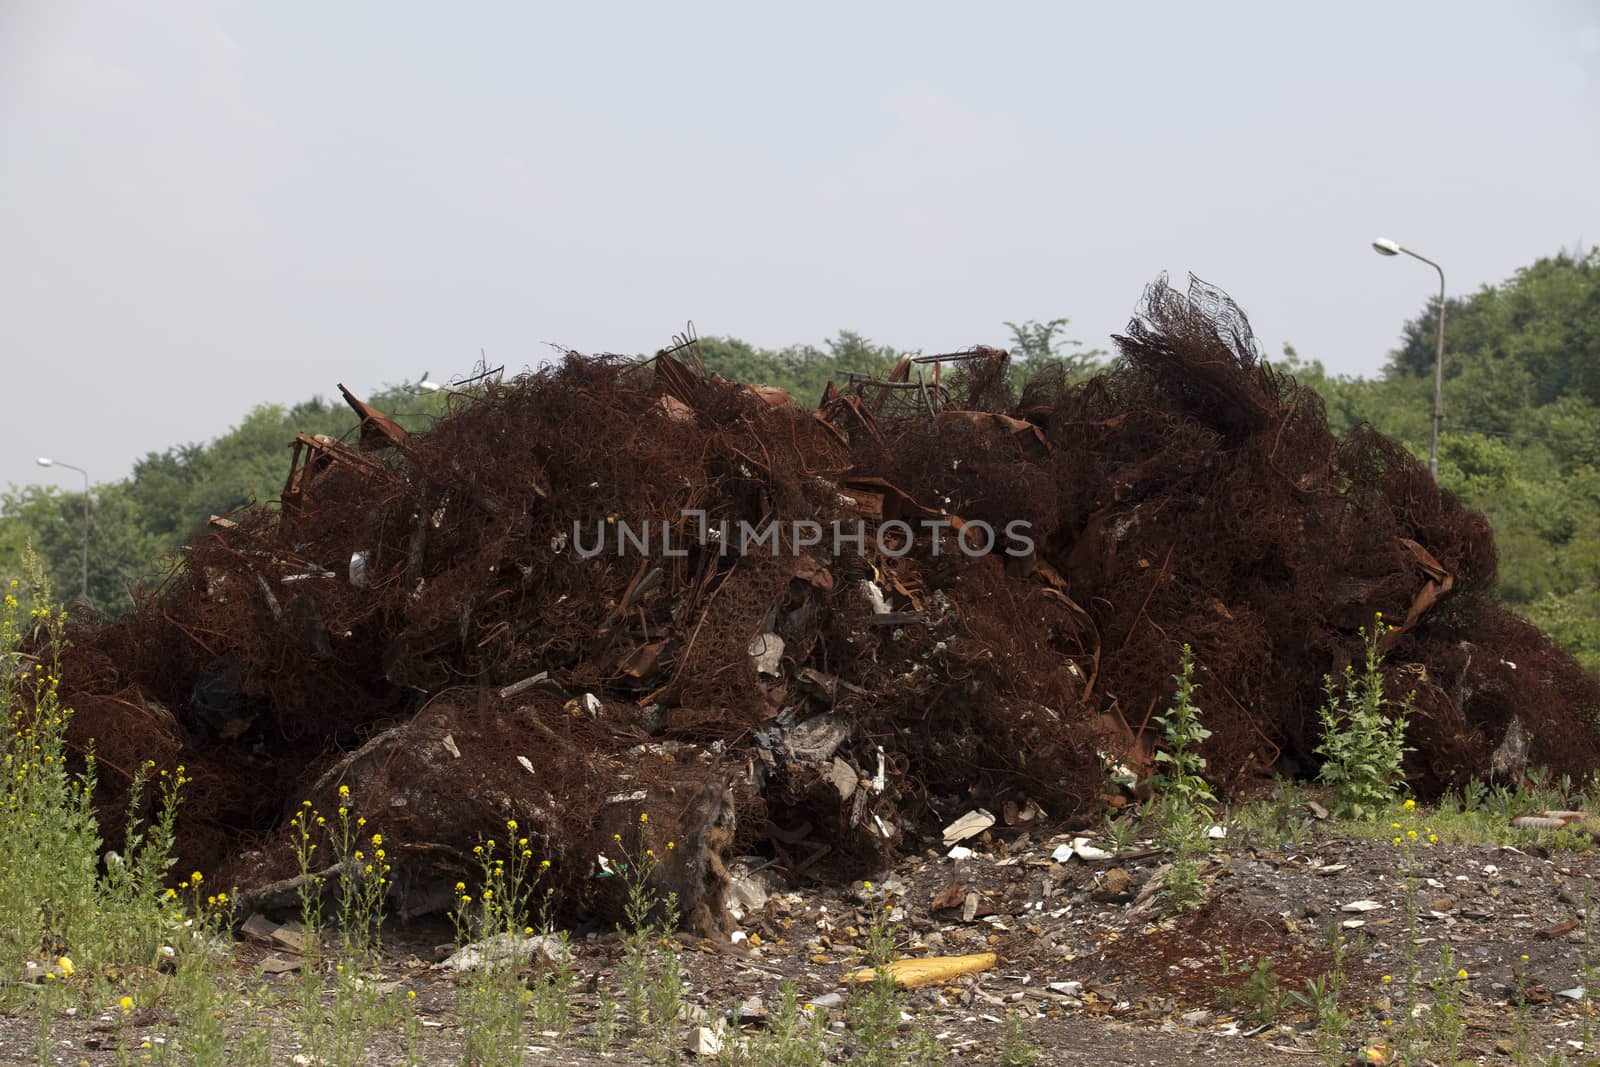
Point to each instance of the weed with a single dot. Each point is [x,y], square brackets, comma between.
[1016,1050]
[550,1003]
[1183,801]
[1363,735]
[1279,819]
[1262,995]
[1445,1021]
[1181,779]
[1123,831]
[651,973]
[605,1028]
[493,997]
[794,1037]
[1182,888]
[873,1014]
[1322,998]
[874,1011]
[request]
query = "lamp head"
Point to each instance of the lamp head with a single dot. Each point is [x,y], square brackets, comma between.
[46,461]
[1385,247]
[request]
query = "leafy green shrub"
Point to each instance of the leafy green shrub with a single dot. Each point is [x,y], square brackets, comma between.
[1181,780]
[1363,735]
[1182,798]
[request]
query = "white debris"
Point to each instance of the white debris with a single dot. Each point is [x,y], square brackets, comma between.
[1081,848]
[506,950]
[971,824]
[875,597]
[704,1042]
[766,650]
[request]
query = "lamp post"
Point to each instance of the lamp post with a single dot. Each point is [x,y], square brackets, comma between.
[46,461]
[1386,247]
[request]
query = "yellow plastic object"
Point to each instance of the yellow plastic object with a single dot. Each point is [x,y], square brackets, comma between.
[912,974]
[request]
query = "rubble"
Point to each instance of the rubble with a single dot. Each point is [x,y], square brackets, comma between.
[506,950]
[616,590]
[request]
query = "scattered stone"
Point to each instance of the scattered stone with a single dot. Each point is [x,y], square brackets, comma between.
[280,964]
[949,898]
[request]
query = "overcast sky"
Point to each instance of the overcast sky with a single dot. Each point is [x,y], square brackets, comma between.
[204,207]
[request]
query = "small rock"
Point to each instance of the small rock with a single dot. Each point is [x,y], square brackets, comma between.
[703,1041]
[1113,885]
[276,964]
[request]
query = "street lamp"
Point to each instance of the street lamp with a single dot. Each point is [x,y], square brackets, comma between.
[46,461]
[1386,247]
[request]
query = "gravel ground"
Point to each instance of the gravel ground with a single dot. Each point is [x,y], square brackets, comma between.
[1085,954]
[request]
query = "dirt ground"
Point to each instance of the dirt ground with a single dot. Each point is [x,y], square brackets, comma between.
[1085,955]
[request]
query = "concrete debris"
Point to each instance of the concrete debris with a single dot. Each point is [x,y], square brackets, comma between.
[504,950]
[705,1042]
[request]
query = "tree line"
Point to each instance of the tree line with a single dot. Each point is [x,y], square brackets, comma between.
[1520,440]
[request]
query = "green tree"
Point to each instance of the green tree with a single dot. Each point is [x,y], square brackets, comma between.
[1039,346]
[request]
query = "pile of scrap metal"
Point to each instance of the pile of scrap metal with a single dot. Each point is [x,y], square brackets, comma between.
[615,588]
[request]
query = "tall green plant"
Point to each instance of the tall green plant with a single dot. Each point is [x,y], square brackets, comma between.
[1363,734]
[1182,799]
